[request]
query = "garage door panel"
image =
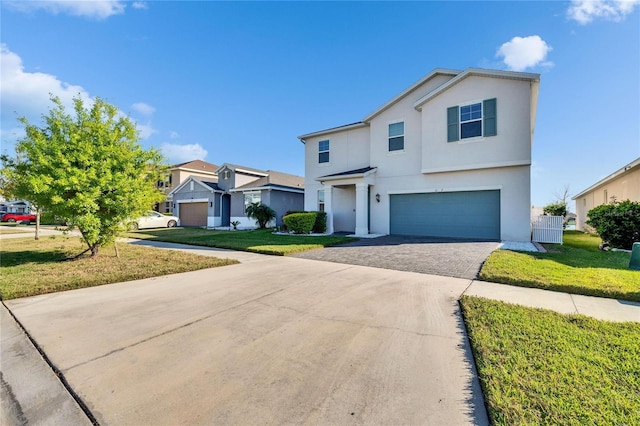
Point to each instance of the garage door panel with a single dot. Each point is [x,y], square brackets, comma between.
[467,214]
[193,214]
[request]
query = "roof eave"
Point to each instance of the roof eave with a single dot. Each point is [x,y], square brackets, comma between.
[351,126]
[474,72]
[397,98]
[628,168]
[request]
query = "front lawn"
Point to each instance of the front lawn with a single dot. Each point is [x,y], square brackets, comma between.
[257,241]
[540,367]
[29,267]
[577,266]
[15,229]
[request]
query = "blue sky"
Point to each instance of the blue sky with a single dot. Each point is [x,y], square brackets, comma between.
[239,81]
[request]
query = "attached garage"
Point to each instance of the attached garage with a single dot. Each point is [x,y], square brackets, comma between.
[465,214]
[193,214]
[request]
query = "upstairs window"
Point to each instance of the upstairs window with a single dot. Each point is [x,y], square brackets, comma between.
[472,120]
[396,136]
[323,151]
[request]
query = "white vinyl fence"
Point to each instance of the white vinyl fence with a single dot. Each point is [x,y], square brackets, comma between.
[547,229]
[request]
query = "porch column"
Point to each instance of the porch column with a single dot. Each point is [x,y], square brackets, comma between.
[362,227]
[328,207]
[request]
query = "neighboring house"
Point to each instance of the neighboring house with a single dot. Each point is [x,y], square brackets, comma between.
[178,173]
[16,206]
[448,157]
[623,184]
[199,202]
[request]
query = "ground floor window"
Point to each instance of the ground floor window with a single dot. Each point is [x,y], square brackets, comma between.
[251,197]
[321,200]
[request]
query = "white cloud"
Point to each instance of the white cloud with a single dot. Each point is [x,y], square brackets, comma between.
[140,5]
[174,135]
[585,11]
[143,108]
[521,53]
[28,93]
[176,153]
[145,130]
[98,9]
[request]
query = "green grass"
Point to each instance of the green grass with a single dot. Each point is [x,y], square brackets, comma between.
[577,266]
[257,241]
[29,267]
[540,367]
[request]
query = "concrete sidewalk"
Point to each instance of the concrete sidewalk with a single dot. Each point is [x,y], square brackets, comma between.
[31,393]
[564,303]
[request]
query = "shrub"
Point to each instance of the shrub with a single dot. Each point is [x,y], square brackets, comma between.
[617,224]
[320,224]
[261,213]
[556,209]
[300,223]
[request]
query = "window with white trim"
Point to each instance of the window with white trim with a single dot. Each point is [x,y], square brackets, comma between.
[251,197]
[321,200]
[323,151]
[396,136]
[478,119]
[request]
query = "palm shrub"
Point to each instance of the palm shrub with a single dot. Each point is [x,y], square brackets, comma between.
[261,213]
[300,223]
[618,223]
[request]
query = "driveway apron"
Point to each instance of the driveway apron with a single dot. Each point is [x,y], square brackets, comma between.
[278,341]
[445,257]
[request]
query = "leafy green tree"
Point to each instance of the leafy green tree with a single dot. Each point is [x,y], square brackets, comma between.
[617,223]
[14,183]
[261,213]
[558,208]
[87,169]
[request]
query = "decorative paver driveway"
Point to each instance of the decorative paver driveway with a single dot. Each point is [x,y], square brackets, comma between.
[446,257]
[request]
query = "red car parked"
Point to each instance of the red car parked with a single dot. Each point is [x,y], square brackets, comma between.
[18,217]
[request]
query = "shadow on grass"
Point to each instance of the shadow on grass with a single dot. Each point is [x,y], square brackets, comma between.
[31,256]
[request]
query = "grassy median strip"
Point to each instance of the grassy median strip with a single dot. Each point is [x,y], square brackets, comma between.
[29,267]
[540,367]
[257,241]
[577,266]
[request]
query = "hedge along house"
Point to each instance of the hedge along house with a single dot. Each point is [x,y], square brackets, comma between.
[199,202]
[448,157]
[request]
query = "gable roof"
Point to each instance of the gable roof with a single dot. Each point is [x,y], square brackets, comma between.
[457,76]
[195,165]
[624,170]
[275,180]
[242,169]
[401,95]
[474,72]
[205,184]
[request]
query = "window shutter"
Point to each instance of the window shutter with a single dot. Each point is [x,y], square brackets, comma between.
[453,129]
[490,124]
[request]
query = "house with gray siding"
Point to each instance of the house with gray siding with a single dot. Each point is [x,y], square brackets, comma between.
[216,203]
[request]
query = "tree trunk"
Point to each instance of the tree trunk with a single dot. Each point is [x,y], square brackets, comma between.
[94,250]
[38,223]
[115,246]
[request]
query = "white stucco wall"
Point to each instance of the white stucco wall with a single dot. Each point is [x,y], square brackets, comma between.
[511,145]
[428,162]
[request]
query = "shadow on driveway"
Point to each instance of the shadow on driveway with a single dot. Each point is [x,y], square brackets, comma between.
[425,255]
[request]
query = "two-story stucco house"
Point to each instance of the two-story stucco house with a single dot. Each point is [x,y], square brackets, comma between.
[448,157]
[200,201]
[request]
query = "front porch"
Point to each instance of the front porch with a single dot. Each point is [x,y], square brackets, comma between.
[347,198]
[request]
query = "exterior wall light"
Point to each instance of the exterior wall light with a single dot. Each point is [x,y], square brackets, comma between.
[378,197]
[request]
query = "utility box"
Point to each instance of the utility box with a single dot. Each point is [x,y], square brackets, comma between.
[634,262]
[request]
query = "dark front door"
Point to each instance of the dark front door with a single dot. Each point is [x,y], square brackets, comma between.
[226,210]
